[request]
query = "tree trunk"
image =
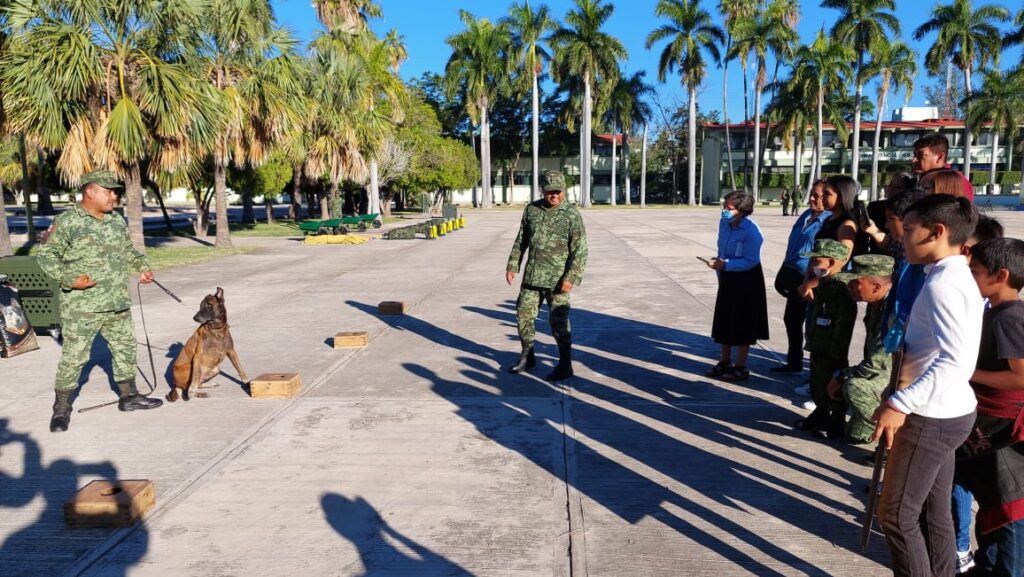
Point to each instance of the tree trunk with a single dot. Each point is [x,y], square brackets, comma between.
[133,205]
[855,161]
[821,132]
[296,204]
[725,115]
[535,189]
[691,148]
[797,160]
[220,199]
[5,233]
[810,176]
[485,156]
[625,169]
[163,210]
[746,118]
[385,204]
[643,170]
[614,190]
[967,131]
[992,165]
[325,207]
[44,202]
[200,225]
[30,225]
[586,182]
[374,191]
[878,140]
[268,201]
[334,201]
[248,209]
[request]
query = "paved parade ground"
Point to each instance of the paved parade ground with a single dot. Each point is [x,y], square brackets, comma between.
[419,455]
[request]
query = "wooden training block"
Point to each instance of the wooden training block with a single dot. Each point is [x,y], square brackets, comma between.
[275,385]
[110,503]
[351,340]
[391,308]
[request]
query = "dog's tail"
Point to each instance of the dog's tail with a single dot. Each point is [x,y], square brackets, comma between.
[172,396]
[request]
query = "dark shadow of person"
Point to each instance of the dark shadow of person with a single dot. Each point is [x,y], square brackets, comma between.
[47,546]
[358,522]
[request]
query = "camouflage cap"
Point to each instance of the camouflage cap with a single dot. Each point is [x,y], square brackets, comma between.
[828,248]
[868,265]
[104,178]
[552,180]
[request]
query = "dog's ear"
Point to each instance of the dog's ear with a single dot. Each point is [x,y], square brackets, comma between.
[220,294]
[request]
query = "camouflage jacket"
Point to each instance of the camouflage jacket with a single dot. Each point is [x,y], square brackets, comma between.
[557,243]
[876,363]
[80,243]
[832,319]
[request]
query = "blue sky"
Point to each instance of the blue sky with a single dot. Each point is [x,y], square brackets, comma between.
[425,25]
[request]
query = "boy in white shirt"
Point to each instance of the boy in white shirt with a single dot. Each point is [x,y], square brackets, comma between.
[931,415]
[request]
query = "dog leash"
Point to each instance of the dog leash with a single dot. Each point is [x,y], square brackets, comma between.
[149,348]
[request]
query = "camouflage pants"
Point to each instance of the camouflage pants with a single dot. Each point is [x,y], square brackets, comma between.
[80,331]
[864,396]
[822,369]
[528,306]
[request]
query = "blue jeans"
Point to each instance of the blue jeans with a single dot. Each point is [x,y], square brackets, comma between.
[1001,552]
[962,500]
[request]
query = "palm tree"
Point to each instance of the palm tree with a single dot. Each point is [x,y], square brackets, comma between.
[971,39]
[528,26]
[382,58]
[791,110]
[583,49]
[896,66]
[628,101]
[828,63]
[477,70]
[999,106]
[866,26]
[108,84]
[349,16]
[691,34]
[732,12]
[766,32]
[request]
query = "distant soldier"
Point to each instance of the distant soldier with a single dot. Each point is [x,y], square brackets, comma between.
[784,197]
[552,231]
[862,385]
[90,253]
[794,202]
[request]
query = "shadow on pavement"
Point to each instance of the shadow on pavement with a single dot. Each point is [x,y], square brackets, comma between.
[383,551]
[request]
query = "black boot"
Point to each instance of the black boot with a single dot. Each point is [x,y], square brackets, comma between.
[563,370]
[836,427]
[131,399]
[527,360]
[816,421]
[61,412]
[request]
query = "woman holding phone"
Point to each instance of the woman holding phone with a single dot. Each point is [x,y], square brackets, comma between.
[741,307]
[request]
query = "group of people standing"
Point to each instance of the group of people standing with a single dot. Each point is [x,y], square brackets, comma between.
[941,377]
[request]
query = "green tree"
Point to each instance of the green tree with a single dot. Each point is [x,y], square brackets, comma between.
[582,49]
[691,34]
[733,11]
[478,69]
[791,111]
[383,58]
[866,26]
[998,105]
[828,63]
[968,36]
[896,66]
[266,180]
[629,108]
[528,26]
[349,16]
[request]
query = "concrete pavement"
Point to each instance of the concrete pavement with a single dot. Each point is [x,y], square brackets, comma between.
[419,455]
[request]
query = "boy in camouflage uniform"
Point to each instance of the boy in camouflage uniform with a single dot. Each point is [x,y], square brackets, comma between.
[828,338]
[552,231]
[90,253]
[862,385]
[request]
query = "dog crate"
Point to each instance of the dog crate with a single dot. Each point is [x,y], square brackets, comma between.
[40,294]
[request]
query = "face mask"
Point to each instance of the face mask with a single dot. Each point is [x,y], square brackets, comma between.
[726,214]
[819,271]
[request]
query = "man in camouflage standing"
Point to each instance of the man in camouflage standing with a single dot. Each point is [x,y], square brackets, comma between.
[89,253]
[552,231]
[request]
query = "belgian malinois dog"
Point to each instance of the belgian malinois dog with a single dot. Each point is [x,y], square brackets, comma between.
[200,359]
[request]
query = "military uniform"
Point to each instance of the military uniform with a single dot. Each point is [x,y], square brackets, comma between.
[864,383]
[556,242]
[82,244]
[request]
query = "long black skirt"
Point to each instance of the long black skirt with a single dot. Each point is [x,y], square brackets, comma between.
[741,308]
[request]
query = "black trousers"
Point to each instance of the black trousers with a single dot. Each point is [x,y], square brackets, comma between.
[796,313]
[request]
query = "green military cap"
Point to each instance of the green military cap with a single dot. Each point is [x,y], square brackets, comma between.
[828,248]
[104,178]
[868,265]
[552,180]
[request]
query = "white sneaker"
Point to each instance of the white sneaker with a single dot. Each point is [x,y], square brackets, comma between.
[809,405]
[964,561]
[803,390]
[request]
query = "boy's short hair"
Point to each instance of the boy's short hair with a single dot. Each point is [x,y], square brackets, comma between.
[957,214]
[741,201]
[999,253]
[935,142]
[898,203]
[988,228]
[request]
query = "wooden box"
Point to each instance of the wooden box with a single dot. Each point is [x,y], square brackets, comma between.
[110,503]
[351,340]
[275,385]
[391,308]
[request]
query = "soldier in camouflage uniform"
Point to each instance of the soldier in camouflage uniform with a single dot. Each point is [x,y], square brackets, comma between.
[862,385]
[89,253]
[828,337]
[552,231]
